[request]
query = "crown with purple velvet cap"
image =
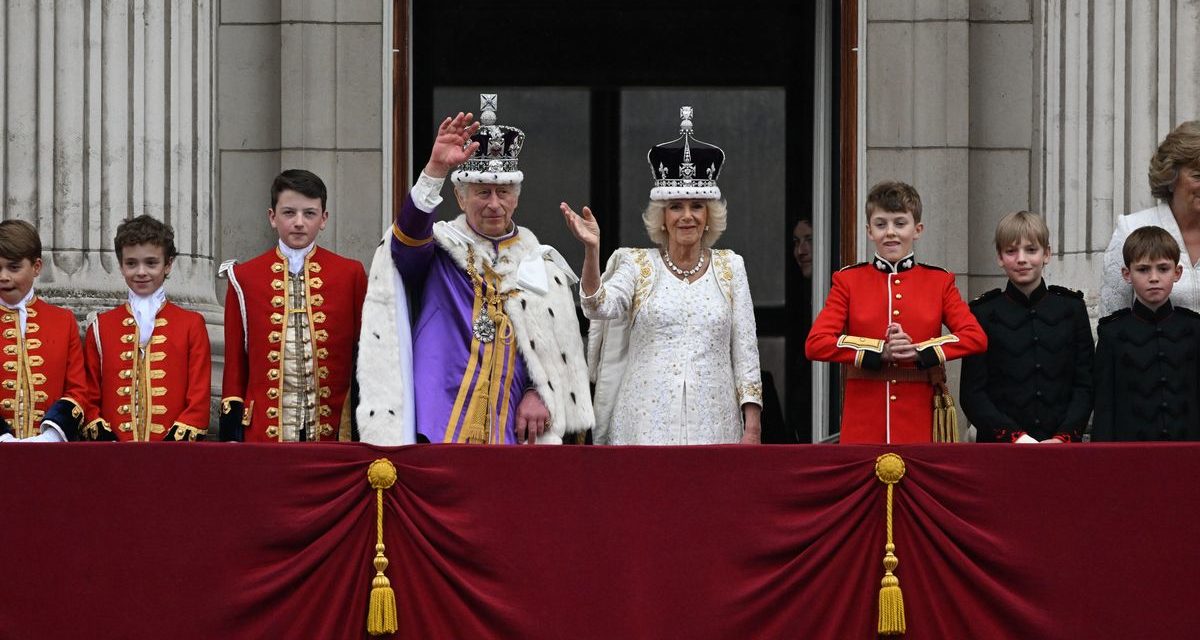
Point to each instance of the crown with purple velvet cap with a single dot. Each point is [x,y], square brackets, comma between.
[495,161]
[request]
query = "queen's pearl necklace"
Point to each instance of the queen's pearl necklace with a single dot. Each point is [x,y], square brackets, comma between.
[681,272]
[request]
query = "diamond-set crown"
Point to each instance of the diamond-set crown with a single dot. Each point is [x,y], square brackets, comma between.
[685,168]
[495,160]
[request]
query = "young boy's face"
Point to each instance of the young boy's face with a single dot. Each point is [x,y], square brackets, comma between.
[1023,261]
[145,268]
[1152,279]
[16,278]
[893,233]
[297,218]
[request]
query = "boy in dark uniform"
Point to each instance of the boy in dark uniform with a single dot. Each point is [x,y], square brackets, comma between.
[1147,356]
[1034,384]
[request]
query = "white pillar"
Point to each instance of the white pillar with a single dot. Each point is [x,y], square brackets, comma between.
[1114,81]
[109,116]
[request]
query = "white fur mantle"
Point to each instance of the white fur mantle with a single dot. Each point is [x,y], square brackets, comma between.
[386,413]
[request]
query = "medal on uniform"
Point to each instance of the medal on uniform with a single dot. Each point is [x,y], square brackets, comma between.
[484,328]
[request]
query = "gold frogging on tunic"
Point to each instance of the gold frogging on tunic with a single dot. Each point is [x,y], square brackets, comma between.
[141,390]
[296,388]
[27,418]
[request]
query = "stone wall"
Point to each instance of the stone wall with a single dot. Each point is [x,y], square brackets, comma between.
[991,106]
[107,115]
[113,109]
[300,84]
[1111,80]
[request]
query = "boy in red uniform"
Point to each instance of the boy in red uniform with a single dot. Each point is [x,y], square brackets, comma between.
[148,365]
[292,318]
[883,320]
[42,387]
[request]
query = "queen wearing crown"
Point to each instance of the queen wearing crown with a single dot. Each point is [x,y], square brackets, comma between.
[672,347]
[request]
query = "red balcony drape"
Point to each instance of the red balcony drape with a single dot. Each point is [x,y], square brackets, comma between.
[267,541]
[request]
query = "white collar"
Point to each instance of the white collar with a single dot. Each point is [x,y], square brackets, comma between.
[20,308]
[145,310]
[296,257]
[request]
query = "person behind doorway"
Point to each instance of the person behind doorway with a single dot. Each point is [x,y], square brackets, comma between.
[883,320]
[147,360]
[1147,355]
[497,353]
[44,392]
[291,327]
[673,345]
[1034,384]
[775,430]
[1175,182]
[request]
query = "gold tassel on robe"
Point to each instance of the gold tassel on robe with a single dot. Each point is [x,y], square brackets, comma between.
[889,468]
[381,614]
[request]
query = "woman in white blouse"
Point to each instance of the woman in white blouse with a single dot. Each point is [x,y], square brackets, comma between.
[672,348]
[1175,182]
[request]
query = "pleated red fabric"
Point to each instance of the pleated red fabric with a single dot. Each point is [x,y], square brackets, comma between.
[214,540]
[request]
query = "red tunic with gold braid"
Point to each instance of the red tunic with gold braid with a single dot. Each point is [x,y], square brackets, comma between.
[891,402]
[262,295]
[40,369]
[159,391]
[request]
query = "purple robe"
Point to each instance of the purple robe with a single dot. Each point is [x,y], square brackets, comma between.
[458,380]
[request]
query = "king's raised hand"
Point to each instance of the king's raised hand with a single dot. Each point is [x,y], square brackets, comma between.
[453,145]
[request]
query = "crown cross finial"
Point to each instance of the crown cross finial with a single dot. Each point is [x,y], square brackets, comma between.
[685,167]
[487,108]
[685,119]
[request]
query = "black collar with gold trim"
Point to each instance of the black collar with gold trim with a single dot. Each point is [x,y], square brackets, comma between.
[905,263]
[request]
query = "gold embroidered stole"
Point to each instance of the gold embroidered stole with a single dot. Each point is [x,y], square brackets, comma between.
[478,395]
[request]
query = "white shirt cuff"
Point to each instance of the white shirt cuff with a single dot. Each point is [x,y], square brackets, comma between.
[50,433]
[427,192]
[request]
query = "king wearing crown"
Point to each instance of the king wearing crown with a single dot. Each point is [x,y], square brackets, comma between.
[495,352]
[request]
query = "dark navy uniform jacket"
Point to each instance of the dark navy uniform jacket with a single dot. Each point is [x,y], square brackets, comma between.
[1036,377]
[1148,375]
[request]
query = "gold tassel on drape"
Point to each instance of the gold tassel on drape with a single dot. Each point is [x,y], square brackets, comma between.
[381,614]
[889,468]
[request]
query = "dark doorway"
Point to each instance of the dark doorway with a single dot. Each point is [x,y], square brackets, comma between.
[595,85]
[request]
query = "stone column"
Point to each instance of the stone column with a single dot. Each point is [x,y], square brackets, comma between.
[1113,79]
[107,116]
[918,125]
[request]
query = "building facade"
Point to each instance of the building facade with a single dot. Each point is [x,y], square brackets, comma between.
[185,109]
